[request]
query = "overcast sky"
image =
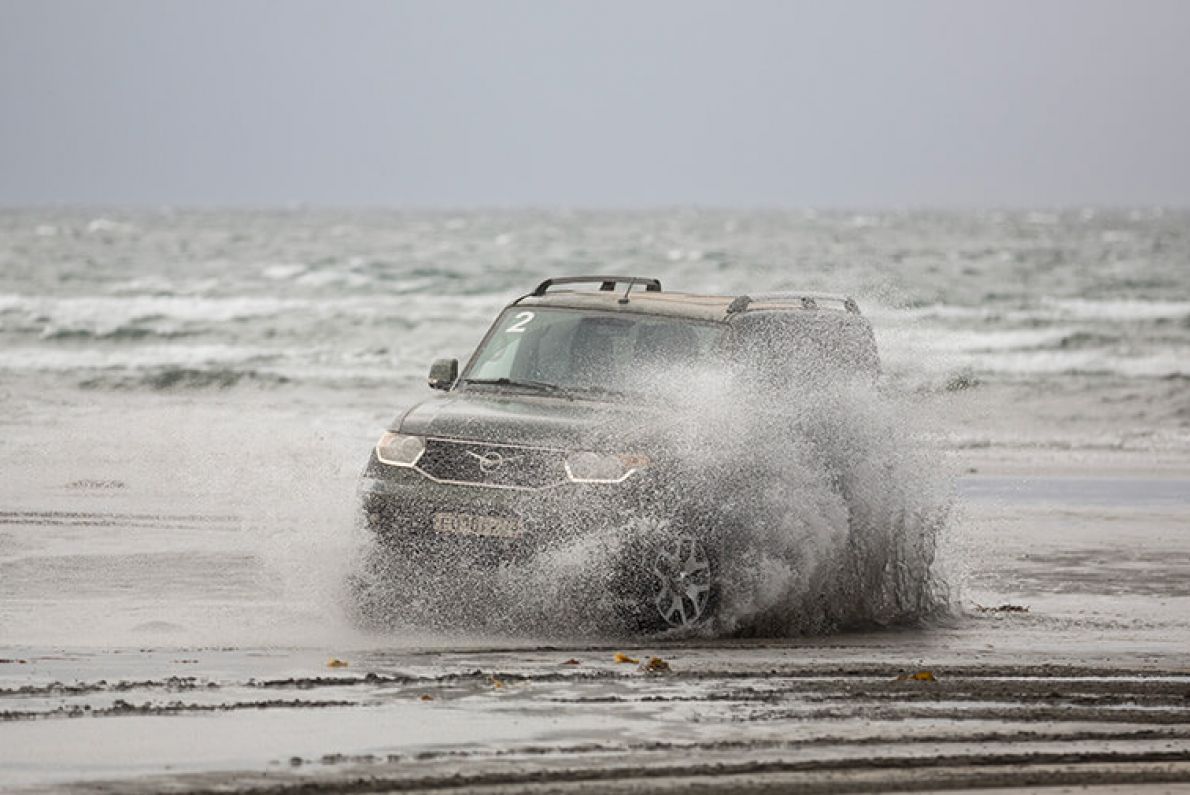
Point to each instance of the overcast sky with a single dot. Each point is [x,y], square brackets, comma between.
[601,103]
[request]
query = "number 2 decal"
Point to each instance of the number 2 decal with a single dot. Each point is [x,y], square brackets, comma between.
[522,320]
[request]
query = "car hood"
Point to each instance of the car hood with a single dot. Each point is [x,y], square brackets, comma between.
[537,420]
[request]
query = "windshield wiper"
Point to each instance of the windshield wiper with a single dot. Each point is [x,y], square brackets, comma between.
[541,386]
[595,389]
[567,391]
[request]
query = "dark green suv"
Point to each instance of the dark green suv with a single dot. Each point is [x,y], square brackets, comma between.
[562,423]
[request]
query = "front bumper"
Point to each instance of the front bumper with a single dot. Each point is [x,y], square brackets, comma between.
[399,504]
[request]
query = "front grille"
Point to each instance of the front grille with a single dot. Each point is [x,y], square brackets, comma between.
[494,465]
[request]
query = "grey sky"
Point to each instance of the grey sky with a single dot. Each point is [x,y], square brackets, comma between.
[596,103]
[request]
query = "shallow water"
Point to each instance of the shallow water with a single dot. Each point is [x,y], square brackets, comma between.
[169,609]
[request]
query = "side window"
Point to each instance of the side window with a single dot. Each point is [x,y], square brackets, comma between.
[501,353]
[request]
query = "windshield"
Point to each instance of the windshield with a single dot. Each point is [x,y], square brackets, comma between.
[586,350]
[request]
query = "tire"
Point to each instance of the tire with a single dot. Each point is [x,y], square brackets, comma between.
[668,580]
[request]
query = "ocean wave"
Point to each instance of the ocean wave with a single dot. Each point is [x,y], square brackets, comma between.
[159,379]
[1081,362]
[100,225]
[1089,339]
[141,357]
[1121,310]
[283,270]
[314,295]
[932,355]
[1049,310]
[9,303]
[182,378]
[101,310]
[917,346]
[131,333]
[98,311]
[890,314]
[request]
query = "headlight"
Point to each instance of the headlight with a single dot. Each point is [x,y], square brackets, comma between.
[399,449]
[603,467]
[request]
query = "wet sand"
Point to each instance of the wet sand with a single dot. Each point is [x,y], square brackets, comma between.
[823,715]
[149,643]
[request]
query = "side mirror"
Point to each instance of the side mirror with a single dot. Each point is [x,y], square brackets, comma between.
[444,373]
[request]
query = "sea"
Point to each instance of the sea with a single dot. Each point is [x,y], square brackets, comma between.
[173,300]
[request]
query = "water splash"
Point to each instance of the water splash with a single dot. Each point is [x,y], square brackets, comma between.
[819,502]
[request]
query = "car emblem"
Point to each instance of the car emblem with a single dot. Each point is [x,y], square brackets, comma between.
[491,461]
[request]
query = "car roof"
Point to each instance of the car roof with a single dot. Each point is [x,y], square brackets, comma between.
[688,305]
[653,301]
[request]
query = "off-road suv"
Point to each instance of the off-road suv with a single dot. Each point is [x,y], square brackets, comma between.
[559,425]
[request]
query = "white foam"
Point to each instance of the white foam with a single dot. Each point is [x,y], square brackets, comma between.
[1161,365]
[944,341]
[108,225]
[1118,310]
[138,357]
[282,271]
[110,312]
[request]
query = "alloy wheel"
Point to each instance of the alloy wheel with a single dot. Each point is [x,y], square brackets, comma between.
[682,581]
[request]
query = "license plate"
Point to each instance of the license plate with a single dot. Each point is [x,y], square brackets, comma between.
[470,524]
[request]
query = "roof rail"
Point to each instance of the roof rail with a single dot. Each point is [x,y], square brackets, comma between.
[606,283]
[807,300]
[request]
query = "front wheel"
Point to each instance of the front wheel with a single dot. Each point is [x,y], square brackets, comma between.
[682,579]
[666,579]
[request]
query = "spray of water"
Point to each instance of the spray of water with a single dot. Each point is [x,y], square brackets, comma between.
[815,496]
[840,514]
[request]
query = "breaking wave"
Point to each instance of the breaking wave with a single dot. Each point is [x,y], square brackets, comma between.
[136,333]
[182,378]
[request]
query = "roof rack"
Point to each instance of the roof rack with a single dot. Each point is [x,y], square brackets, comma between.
[807,301]
[606,283]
